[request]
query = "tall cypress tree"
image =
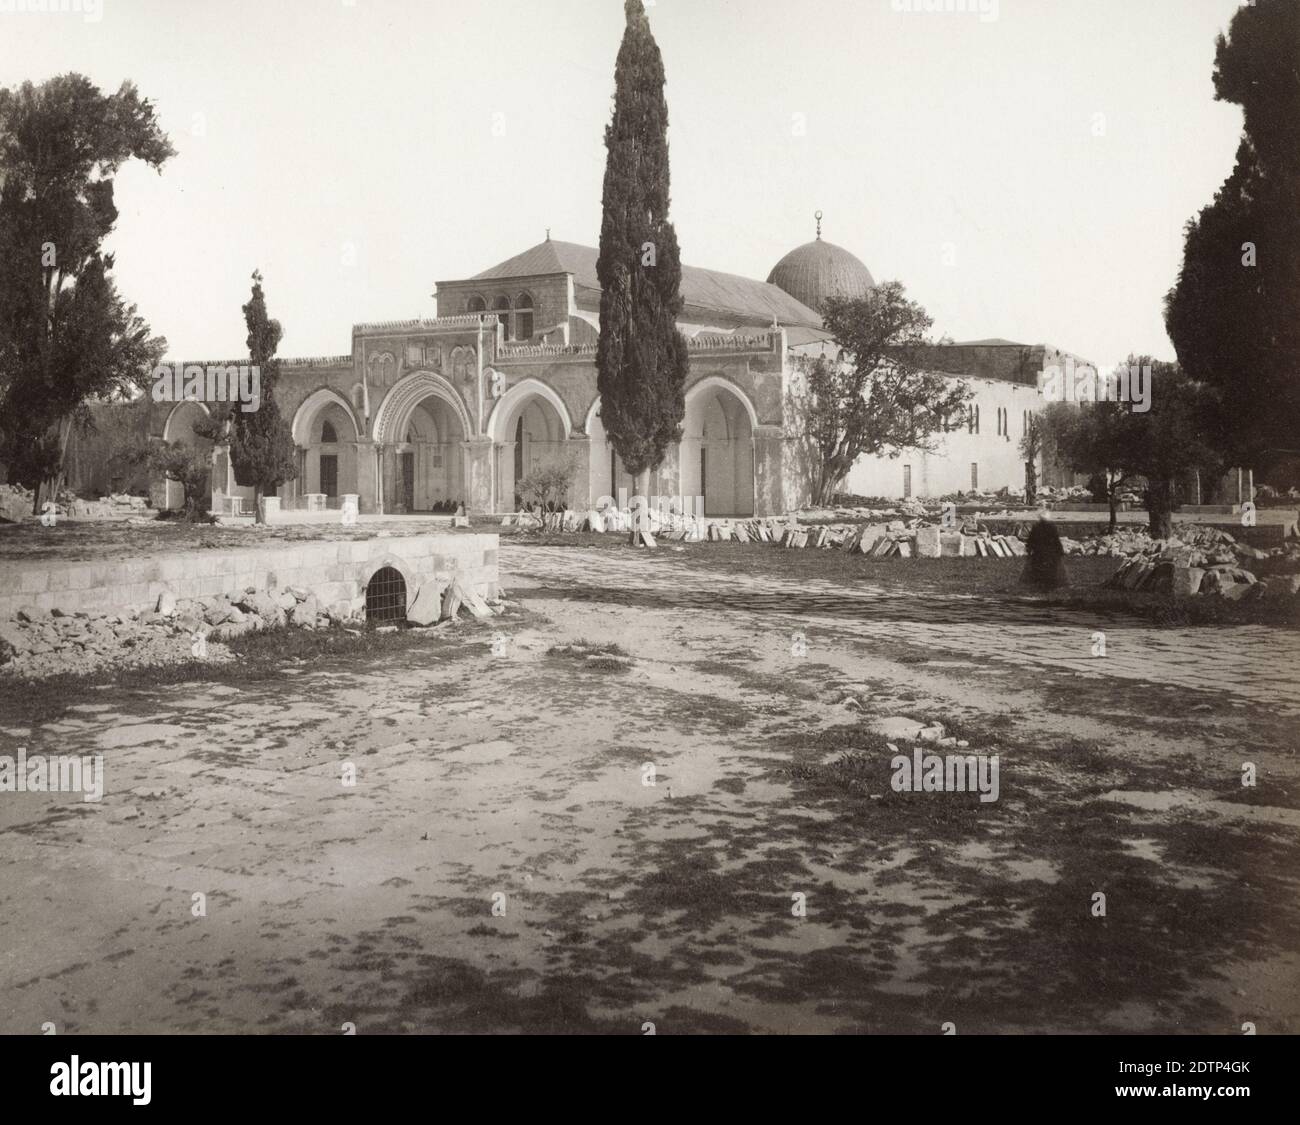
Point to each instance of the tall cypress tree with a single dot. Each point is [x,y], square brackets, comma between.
[1233,313]
[641,359]
[261,445]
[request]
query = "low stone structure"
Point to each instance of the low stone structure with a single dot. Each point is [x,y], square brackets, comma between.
[333,571]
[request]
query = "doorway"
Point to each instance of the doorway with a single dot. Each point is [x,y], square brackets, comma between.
[329,475]
[408,482]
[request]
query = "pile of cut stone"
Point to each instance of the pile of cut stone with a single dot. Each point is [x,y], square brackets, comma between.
[914,538]
[116,506]
[1206,561]
[1213,545]
[15,503]
[44,641]
[41,642]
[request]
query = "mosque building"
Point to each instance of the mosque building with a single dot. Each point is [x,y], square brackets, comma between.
[422,415]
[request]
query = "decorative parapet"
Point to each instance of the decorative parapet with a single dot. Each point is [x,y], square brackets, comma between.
[318,361]
[765,343]
[758,342]
[546,351]
[295,361]
[436,324]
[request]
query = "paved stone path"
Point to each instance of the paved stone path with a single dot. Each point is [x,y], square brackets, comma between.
[1252,662]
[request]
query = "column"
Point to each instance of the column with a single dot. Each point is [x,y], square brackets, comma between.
[477,476]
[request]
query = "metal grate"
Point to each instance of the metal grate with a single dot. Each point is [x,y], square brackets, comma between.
[386,597]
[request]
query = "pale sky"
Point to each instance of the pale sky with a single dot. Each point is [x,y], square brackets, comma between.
[351,150]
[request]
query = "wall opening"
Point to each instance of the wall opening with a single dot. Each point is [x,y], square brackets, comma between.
[386,597]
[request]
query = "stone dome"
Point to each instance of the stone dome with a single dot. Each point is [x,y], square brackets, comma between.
[818,270]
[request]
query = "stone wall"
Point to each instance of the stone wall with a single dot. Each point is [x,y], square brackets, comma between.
[333,571]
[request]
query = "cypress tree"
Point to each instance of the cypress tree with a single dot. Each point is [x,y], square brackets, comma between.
[261,446]
[1232,315]
[641,359]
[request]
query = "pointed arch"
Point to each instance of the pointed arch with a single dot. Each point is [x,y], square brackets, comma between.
[394,413]
[508,405]
[305,416]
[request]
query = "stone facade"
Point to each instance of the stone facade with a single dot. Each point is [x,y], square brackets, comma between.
[425,415]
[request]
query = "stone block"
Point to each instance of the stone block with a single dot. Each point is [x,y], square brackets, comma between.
[427,607]
[928,543]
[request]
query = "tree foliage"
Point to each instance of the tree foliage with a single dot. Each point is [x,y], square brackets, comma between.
[66,335]
[191,469]
[642,359]
[1122,447]
[260,440]
[547,487]
[1232,314]
[876,398]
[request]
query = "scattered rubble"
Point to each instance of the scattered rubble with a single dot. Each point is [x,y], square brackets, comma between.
[1202,561]
[16,505]
[907,539]
[40,642]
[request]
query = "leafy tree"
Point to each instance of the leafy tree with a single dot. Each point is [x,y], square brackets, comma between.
[1167,442]
[260,440]
[66,335]
[641,359]
[1091,438]
[191,469]
[876,398]
[547,487]
[1233,313]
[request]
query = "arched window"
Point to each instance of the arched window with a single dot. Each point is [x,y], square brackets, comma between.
[501,306]
[476,305]
[386,597]
[327,434]
[524,318]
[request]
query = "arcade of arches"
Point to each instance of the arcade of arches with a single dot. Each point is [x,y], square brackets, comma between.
[419,458]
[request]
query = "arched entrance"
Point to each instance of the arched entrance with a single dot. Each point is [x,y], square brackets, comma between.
[607,474]
[422,427]
[180,428]
[530,427]
[326,435]
[717,449]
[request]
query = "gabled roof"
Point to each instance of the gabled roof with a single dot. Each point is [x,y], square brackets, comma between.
[703,290]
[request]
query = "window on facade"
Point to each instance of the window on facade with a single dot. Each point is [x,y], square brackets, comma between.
[476,305]
[502,308]
[974,476]
[327,434]
[977,419]
[524,318]
[907,481]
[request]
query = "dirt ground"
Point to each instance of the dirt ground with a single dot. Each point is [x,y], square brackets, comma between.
[503,864]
